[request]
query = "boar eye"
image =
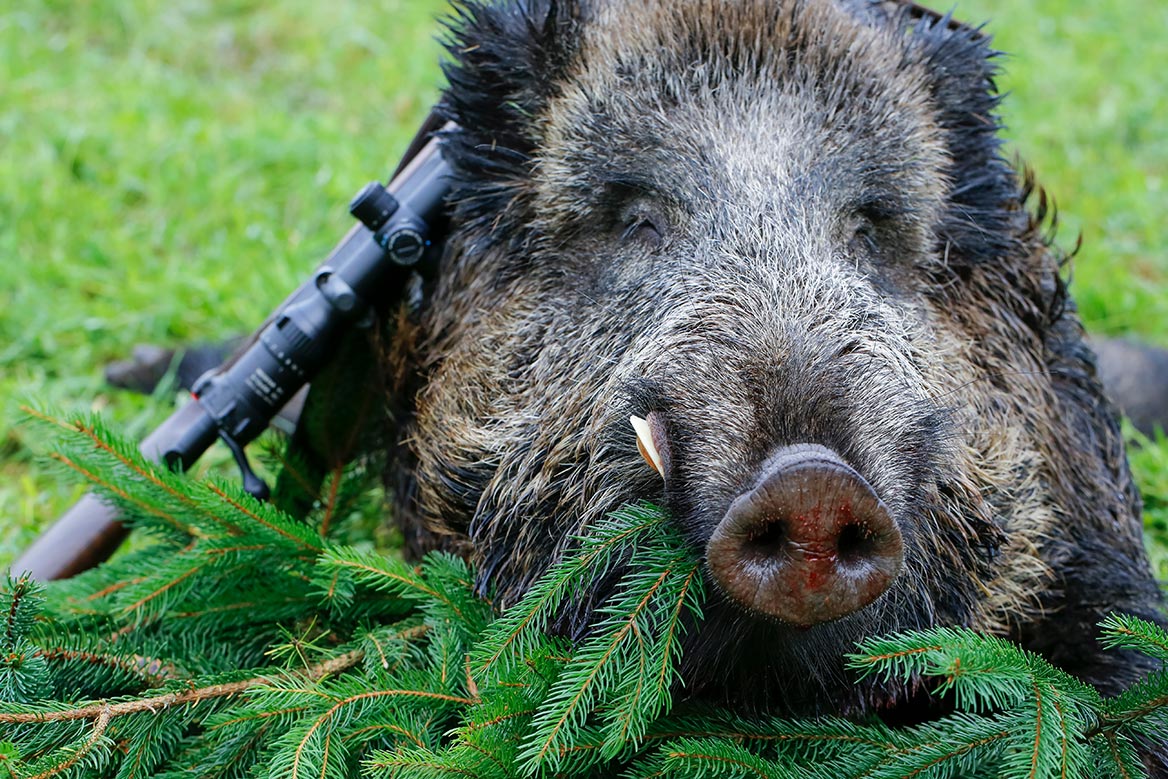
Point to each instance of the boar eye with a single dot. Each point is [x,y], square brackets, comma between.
[644,230]
[864,237]
[867,221]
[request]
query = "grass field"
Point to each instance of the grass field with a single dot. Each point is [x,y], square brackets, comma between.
[169,170]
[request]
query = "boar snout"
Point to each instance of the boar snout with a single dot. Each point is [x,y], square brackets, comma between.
[809,543]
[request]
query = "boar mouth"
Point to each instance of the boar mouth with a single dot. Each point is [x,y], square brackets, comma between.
[809,543]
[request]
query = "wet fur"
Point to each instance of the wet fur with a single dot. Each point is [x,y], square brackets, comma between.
[844,258]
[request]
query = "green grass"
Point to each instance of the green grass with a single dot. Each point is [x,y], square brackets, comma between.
[1088,109]
[169,170]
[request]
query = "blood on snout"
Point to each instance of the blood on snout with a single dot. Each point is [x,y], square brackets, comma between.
[809,543]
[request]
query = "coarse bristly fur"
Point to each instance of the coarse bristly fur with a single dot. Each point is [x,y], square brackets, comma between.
[770,223]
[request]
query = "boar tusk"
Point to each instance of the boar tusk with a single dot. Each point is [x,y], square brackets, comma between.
[645,444]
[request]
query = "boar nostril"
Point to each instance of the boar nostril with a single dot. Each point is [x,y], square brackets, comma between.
[768,541]
[809,543]
[854,545]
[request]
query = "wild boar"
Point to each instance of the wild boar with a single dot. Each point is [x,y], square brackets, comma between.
[782,233]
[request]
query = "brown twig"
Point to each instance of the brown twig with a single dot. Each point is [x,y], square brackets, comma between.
[157,702]
[103,720]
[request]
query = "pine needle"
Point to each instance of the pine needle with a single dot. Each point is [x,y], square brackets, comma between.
[246,641]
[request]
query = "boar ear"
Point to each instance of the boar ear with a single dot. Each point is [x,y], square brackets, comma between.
[984,218]
[507,60]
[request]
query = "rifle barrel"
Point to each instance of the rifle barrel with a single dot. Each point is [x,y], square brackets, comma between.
[239,399]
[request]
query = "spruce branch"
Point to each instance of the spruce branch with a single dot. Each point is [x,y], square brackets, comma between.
[23,666]
[151,671]
[239,503]
[513,636]
[1124,631]
[273,649]
[125,499]
[574,696]
[704,758]
[1143,705]
[74,754]
[156,703]
[330,501]
[318,736]
[1142,709]
[120,453]
[955,749]
[1116,757]
[380,573]
[292,468]
[162,500]
[420,763]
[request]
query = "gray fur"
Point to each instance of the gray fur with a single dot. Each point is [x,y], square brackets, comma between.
[771,223]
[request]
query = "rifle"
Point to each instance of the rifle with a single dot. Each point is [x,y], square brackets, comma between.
[370,269]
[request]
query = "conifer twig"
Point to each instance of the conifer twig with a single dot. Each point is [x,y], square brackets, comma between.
[547,742]
[1109,723]
[142,666]
[235,504]
[320,721]
[91,433]
[330,505]
[95,479]
[98,710]
[99,728]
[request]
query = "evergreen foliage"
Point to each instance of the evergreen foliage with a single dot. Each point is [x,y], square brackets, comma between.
[243,641]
